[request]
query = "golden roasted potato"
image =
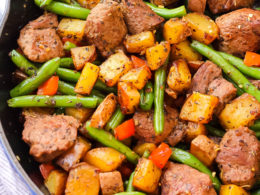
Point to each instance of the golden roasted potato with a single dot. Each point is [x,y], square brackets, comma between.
[111,183]
[138,43]
[179,77]
[74,154]
[199,108]
[138,77]
[87,79]
[113,68]
[105,158]
[195,129]
[157,55]
[82,55]
[204,29]
[104,111]
[82,114]
[128,97]
[56,182]
[83,179]
[176,30]
[204,149]
[242,111]
[173,94]
[147,176]
[71,28]
[89,4]
[139,149]
[183,50]
[231,189]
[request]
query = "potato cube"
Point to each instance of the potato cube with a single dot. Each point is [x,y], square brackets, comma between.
[242,111]
[113,68]
[157,55]
[56,182]
[204,149]
[204,29]
[74,154]
[89,4]
[139,149]
[195,65]
[106,159]
[147,176]
[199,108]
[138,43]
[82,55]
[111,183]
[176,30]
[128,97]
[179,77]
[183,50]
[87,79]
[195,129]
[83,179]
[82,114]
[232,189]
[138,77]
[104,111]
[71,28]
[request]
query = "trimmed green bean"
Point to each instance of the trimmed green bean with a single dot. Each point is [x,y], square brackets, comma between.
[147,97]
[239,90]
[130,193]
[159,86]
[130,187]
[64,9]
[97,94]
[66,63]
[256,126]
[45,3]
[65,1]
[68,75]
[109,140]
[146,154]
[214,131]
[66,88]
[257,134]
[52,101]
[116,119]
[99,85]
[168,13]
[256,192]
[68,45]
[29,85]
[239,64]
[188,159]
[231,71]
[75,3]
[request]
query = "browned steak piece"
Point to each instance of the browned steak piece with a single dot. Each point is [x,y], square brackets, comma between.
[222,89]
[239,31]
[197,5]
[204,76]
[181,179]
[49,135]
[39,41]
[239,157]
[144,125]
[139,17]
[105,27]
[178,133]
[219,6]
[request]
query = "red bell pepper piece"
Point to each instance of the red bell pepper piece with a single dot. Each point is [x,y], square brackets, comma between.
[137,62]
[49,87]
[161,155]
[125,130]
[46,169]
[252,59]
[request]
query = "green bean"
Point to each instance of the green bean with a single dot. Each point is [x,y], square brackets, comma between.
[97,94]
[214,131]
[68,75]
[29,85]
[231,71]
[116,119]
[257,134]
[68,45]
[147,96]
[256,192]
[239,64]
[66,63]
[146,154]
[45,3]
[257,8]
[168,13]
[97,62]
[75,3]
[64,9]
[66,88]
[239,90]
[188,159]
[103,87]
[130,193]
[159,86]
[65,1]
[52,101]
[22,63]
[130,187]
[256,126]
[109,140]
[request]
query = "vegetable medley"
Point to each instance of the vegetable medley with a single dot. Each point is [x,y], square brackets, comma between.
[132,97]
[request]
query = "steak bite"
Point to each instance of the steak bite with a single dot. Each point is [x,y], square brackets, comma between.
[105,27]
[39,40]
[239,31]
[139,17]
[239,157]
[49,135]
[178,133]
[197,5]
[144,125]
[182,179]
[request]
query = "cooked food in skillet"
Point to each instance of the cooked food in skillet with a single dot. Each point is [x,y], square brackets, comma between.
[132,97]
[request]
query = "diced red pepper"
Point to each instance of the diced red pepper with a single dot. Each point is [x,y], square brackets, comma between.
[137,62]
[49,87]
[161,155]
[46,169]
[252,59]
[125,130]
